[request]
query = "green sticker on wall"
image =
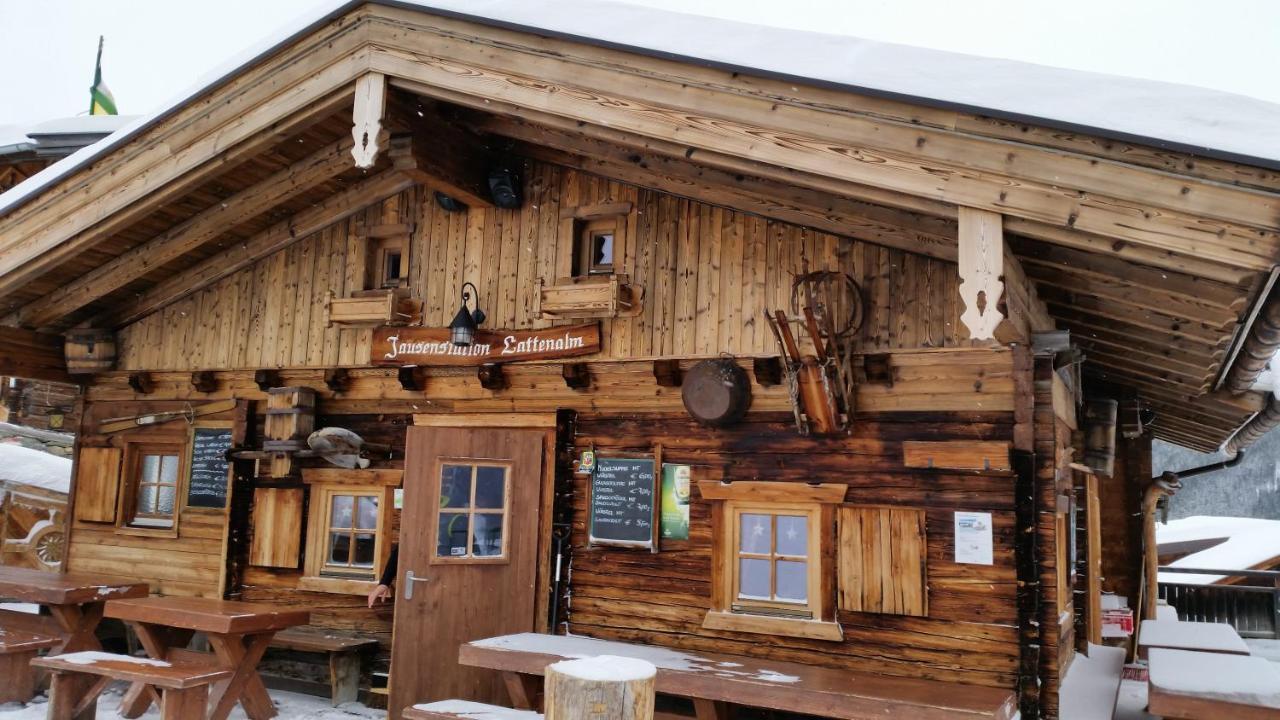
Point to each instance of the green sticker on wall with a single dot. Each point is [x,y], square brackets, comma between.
[675,502]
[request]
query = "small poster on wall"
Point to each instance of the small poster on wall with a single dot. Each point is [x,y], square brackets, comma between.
[675,502]
[974,538]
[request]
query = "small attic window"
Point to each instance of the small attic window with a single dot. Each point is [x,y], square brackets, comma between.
[594,247]
[388,262]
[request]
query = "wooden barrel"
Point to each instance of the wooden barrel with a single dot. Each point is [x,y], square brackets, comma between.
[716,392]
[90,350]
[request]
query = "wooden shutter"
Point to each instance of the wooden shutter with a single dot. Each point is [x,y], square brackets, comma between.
[277,527]
[882,561]
[97,484]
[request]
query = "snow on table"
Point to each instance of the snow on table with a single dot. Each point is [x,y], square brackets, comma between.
[573,646]
[1179,678]
[1204,636]
[1093,681]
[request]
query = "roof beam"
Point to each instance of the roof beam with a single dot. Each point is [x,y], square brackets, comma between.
[273,239]
[452,162]
[889,227]
[256,110]
[1118,291]
[34,355]
[838,156]
[282,186]
[1065,302]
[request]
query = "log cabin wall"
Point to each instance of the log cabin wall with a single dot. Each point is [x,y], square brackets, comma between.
[708,274]
[1053,447]
[970,631]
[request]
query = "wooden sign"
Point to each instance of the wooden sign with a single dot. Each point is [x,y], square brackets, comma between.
[208,481]
[623,502]
[397,346]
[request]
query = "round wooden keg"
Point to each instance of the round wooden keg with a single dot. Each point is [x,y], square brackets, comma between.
[716,392]
[89,350]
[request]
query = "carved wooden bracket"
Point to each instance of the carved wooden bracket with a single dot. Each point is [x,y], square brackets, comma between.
[577,376]
[142,382]
[667,373]
[413,377]
[266,379]
[366,126]
[492,377]
[981,265]
[768,370]
[205,381]
[337,379]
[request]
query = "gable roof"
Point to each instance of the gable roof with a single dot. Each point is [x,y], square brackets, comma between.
[1187,119]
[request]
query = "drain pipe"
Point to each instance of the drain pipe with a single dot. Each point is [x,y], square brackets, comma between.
[1259,425]
[1161,487]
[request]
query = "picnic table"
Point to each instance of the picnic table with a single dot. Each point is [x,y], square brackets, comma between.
[1184,635]
[1198,685]
[238,634]
[715,681]
[75,601]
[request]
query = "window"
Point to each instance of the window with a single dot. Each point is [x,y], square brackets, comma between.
[595,243]
[773,562]
[349,520]
[472,520]
[388,263]
[152,488]
[771,573]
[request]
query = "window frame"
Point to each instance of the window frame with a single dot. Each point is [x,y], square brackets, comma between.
[324,485]
[135,449]
[380,251]
[808,610]
[818,502]
[505,557]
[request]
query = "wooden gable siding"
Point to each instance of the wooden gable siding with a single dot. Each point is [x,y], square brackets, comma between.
[708,275]
[969,634]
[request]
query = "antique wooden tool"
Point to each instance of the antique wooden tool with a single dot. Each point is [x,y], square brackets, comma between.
[811,397]
[188,413]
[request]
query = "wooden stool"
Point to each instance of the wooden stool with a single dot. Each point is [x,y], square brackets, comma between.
[17,650]
[184,687]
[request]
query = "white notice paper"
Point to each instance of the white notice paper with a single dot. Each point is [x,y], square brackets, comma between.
[973,538]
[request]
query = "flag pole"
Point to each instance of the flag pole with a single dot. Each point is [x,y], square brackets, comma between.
[97,73]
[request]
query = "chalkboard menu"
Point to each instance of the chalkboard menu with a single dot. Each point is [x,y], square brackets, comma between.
[207,487]
[623,502]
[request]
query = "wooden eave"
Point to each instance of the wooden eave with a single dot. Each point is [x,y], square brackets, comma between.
[1121,240]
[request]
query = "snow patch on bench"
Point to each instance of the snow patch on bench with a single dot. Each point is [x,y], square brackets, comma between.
[90,657]
[477,711]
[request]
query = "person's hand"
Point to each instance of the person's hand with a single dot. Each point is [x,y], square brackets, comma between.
[380,593]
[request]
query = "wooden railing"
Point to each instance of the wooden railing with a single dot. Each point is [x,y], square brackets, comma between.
[1253,609]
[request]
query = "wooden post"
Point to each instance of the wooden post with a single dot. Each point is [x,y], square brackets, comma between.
[600,688]
[981,267]
[366,122]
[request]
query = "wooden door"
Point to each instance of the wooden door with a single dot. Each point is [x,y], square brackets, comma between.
[470,527]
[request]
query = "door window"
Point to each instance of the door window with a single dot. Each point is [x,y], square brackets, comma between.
[472,519]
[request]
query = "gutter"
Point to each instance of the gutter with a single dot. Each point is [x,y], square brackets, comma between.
[1262,423]
[1256,342]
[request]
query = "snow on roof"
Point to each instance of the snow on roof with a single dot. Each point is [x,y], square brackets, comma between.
[1181,117]
[32,467]
[81,125]
[1249,542]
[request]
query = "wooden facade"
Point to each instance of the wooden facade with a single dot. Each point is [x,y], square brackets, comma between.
[245,262]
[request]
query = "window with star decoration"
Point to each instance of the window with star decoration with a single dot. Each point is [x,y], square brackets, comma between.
[773,561]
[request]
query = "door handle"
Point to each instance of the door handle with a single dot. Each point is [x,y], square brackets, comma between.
[409,580]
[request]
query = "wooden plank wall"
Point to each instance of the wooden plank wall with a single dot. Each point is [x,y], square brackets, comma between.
[1054,452]
[707,273]
[970,633]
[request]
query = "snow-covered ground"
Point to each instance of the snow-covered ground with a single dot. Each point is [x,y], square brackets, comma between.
[1246,543]
[32,467]
[291,706]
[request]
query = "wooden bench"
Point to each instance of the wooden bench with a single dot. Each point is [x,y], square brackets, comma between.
[466,709]
[343,652]
[184,687]
[17,649]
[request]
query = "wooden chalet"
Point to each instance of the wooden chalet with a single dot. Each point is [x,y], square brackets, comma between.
[1007,308]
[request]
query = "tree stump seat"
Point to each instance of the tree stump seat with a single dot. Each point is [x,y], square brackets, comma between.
[465,710]
[17,649]
[78,679]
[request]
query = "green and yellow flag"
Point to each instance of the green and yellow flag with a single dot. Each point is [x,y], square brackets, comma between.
[100,100]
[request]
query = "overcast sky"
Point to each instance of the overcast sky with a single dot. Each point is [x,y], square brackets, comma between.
[157,48]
